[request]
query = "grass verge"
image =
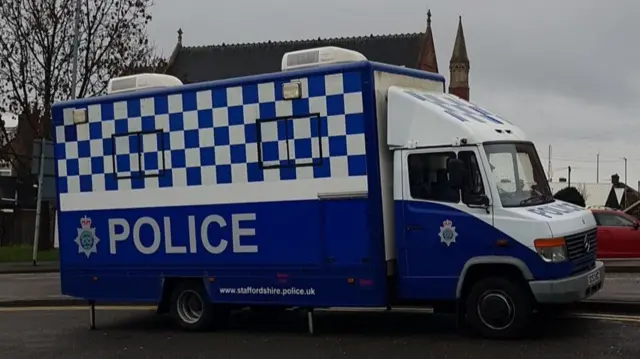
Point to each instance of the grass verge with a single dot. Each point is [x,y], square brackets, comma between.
[15,254]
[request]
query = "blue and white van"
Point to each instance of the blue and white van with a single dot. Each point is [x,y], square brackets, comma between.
[337,182]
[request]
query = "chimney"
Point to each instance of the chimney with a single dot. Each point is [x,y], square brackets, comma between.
[615,179]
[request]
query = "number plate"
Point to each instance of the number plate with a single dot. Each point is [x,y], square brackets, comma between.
[594,278]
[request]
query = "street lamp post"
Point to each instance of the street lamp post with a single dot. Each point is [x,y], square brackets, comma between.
[625,182]
[76,41]
[625,170]
[74,81]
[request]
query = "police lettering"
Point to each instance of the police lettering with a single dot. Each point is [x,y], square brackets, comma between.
[120,230]
[557,209]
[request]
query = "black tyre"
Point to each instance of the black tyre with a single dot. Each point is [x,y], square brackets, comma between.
[192,310]
[499,308]
[268,310]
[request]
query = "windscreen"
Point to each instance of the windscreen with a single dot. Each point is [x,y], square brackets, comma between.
[517,170]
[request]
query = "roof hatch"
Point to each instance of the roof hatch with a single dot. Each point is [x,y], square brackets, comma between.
[319,56]
[141,82]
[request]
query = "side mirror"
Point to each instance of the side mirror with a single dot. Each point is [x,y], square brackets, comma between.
[477,201]
[636,225]
[455,170]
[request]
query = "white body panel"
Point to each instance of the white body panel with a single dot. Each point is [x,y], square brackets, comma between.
[434,119]
[383,82]
[437,119]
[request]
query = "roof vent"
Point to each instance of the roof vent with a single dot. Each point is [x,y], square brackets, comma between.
[318,57]
[141,82]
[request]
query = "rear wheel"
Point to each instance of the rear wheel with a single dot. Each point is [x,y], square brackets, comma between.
[192,310]
[499,308]
[268,309]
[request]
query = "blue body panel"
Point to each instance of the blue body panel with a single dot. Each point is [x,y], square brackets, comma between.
[311,233]
[429,269]
[312,252]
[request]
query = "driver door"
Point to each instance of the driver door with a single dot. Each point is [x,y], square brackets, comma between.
[441,232]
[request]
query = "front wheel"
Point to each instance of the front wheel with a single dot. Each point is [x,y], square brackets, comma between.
[499,308]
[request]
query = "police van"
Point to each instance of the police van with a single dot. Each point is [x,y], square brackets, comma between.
[337,182]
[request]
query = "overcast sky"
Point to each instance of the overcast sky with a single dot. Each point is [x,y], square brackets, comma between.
[566,71]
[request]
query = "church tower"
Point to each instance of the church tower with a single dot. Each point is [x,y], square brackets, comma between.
[459,66]
[427,57]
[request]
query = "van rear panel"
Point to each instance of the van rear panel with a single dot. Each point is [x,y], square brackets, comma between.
[267,199]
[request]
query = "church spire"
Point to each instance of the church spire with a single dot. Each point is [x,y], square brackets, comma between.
[460,46]
[427,60]
[459,66]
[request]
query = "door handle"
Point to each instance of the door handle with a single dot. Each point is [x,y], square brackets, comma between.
[414,228]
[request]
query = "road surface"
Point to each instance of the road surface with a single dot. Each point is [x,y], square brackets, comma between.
[32,286]
[63,333]
[42,286]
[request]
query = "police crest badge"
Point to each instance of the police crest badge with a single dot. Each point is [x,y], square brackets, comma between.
[447,233]
[86,239]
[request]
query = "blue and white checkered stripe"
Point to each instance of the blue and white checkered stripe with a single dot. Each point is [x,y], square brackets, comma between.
[220,135]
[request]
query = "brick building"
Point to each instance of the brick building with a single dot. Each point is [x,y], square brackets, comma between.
[417,50]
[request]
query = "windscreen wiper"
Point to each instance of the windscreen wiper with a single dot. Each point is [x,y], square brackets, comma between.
[531,200]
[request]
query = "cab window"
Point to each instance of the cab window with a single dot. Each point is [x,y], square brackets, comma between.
[473,178]
[429,180]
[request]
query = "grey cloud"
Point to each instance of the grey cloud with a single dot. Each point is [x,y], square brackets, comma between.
[566,71]
[581,51]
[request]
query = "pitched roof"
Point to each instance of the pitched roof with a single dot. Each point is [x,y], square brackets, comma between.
[427,59]
[602,194]
[206,63]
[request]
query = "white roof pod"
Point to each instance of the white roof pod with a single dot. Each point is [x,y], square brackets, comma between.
[141,82]
[319,56]
[422,118]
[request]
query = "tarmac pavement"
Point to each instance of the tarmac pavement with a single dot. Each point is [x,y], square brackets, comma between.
[612,266]
[622,265]
[31,288]
[39,289]
[124,334]
[624,287]
[28,267]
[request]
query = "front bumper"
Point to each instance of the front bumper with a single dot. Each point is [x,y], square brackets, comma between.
[570,289]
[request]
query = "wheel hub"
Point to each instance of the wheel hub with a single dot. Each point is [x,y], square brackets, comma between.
[190,306]
[496,310]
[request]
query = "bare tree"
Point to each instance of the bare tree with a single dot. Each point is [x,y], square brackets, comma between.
[582,188]
[36,53]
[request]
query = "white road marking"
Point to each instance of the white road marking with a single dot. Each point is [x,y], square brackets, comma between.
[29,276]
[606,317]
[76,308]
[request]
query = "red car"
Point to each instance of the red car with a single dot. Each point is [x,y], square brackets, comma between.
[618,234]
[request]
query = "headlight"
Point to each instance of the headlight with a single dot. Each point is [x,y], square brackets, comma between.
[551,250]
